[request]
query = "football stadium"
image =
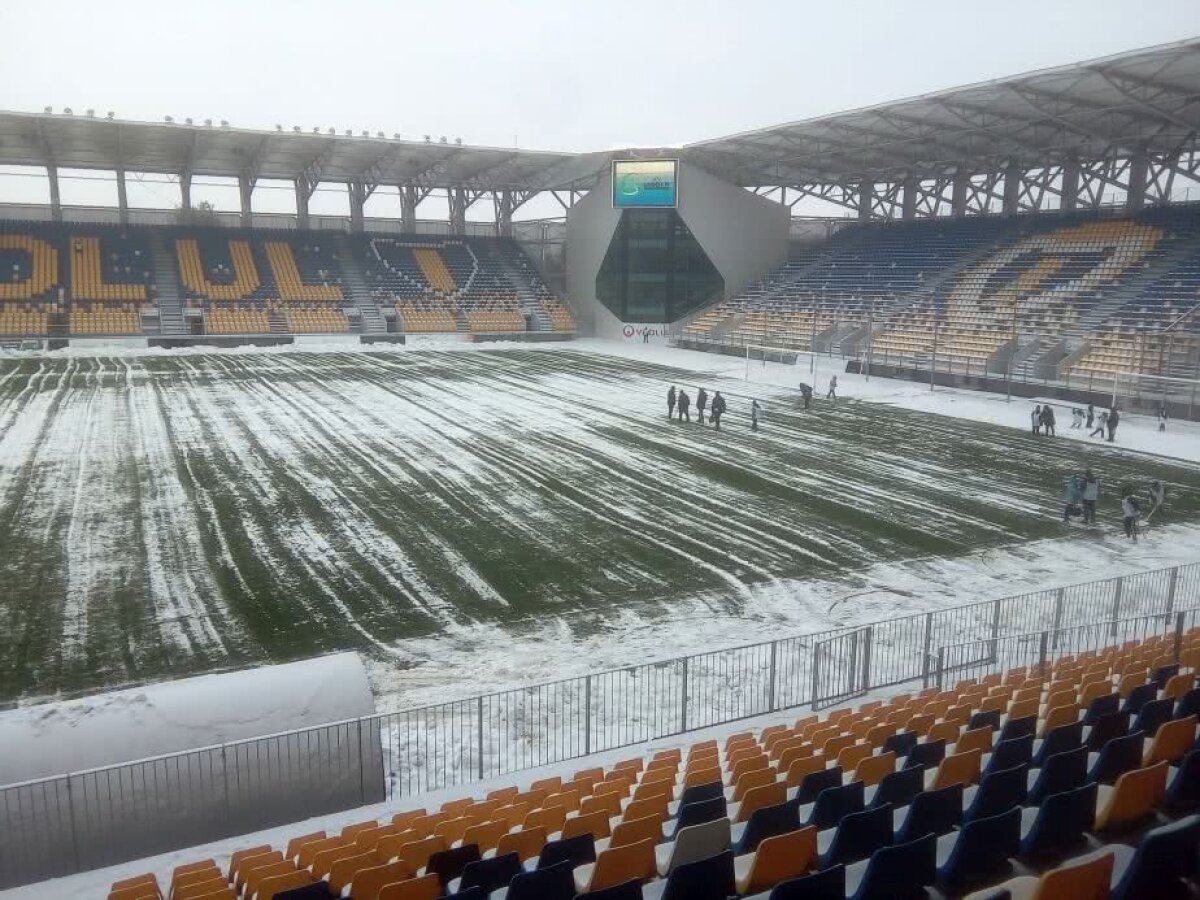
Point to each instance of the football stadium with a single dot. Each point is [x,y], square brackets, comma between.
[809,512]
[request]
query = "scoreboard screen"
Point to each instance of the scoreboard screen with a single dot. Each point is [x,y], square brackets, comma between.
[640,183]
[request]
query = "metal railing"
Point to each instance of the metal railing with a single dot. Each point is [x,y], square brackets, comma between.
[70,823]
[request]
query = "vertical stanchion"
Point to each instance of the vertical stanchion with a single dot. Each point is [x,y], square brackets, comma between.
[683,698]
[74,834]
[362,765]
[816,672]
[1178,635]
[995,631]
[925,658]
[868,634]
[1042,654]
[1058,611]
[771,686]
[940,666]
[479,737]
[587,715]
[1116,603]
[1172,580]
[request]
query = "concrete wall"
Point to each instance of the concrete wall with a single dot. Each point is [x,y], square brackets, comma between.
[744,235]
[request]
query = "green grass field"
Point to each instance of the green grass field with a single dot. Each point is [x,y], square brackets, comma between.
[171,514]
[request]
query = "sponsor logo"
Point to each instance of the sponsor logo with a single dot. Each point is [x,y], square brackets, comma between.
[639,331]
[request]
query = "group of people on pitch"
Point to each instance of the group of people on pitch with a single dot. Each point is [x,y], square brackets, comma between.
[679,400]
[1041,421]
[1080,493]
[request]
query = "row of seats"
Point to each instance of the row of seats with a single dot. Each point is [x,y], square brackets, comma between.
[949,791]
[974,281]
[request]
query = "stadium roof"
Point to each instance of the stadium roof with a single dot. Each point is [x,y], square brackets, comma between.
[1147,99]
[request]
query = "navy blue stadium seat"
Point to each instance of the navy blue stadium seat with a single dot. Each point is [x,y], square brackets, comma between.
[835,803]
[492,873]
[1105,728]
[857,836]
[985,717]
[449,864]
[1159,868]
[997,791]
[931,812]
[1061,772]
[828,884]
[1006,754]
[1057,827]
[1139,697]
[705,879]
[699,813]
[768,821]
[1152,715]
[1060,739]
[1100,707]
[1189,704]
[1118,756]
[926,755]
[899,788]
[554,882]
[1183,788]
[1017,728]
[815,782]
[1163,674]
[700,792]
[575,850]
[980,852]
[318,891]
[899,872]
[902,743]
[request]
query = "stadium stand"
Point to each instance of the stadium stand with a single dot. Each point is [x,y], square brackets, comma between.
[86,280]
[1106,289]
[1076,779]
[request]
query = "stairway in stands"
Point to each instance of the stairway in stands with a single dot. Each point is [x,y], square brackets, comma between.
[354,287]
[166,279]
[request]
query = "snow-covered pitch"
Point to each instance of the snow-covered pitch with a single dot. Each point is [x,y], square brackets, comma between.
[491,516]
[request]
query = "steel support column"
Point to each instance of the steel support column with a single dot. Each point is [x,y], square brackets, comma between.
[408,208]
[866,190]
[458,210]
[302,195]
[359,193]
[246,193]
[55,199]
[1069,196]
[1012,188]
[958,194]
[1135,193]
[908,199]
[504,214]
[185,191]
[122,198]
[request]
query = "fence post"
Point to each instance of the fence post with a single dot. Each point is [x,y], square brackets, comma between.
[995,631]
[816,672]
[362,765]
[225,775]
[683,698]
[771,691]
[1179,635]
[1172,579]
[1042,653]
[1116,606]
[1058,611]
[479,733]
[587,715]
[868,634]
[925,660]
[74,835]
[941,666]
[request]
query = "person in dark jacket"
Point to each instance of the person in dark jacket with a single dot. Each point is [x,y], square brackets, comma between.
[682,404]
[807,391]
[1091,415]
[718,410]
[754,415]
[1114,419]
[671,402]
[1048,420]
[701,402]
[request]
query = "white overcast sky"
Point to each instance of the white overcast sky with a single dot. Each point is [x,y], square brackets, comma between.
[549,74]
